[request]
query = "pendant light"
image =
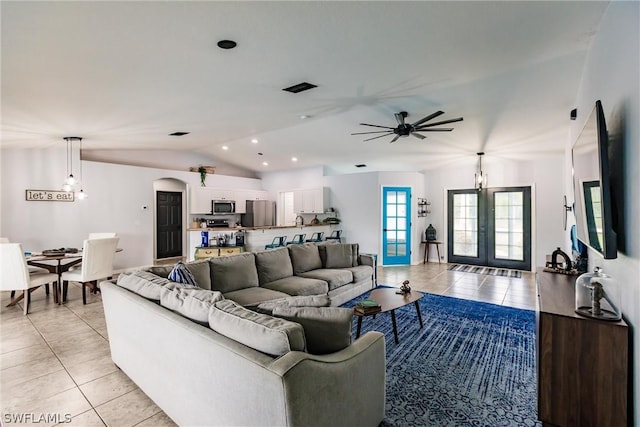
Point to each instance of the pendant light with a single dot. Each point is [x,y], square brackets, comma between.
[70,182]
[480,178]
[81,194]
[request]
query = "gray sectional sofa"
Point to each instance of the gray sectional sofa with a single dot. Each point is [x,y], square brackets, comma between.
[209,356]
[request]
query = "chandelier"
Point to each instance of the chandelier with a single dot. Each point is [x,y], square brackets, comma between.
[70,182]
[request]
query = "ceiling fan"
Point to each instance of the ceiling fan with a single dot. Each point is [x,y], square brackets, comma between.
[406,129]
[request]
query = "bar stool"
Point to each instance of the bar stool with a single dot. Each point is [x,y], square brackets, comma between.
[335,235]
[277,242]
[316,237]
[298,239]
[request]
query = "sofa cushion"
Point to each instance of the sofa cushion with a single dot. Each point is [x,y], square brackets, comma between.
[273,265]
[191,302]
[143,283]
[297,301]
[250,297]
[337,255]
[181,274]
[304,257]
[199,269]
[233,272]
[296,285]
[355,252]
[361,272]
[334,277]
[326,329]
[264,333]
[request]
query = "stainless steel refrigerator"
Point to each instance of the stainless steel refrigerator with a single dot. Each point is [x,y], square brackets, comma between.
[260,213]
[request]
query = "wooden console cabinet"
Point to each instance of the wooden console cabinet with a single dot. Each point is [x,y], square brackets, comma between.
[582,362]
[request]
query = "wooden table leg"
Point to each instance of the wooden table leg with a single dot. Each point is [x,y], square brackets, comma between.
[419,315]
[426,249]
[395,328]
[359,326]
[438,249]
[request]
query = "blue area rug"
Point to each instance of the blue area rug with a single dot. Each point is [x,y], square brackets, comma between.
[473,364]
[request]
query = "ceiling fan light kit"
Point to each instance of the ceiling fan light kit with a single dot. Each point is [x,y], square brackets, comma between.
[405,129]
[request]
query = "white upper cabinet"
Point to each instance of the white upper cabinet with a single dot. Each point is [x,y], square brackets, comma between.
[201,197]
[312,200]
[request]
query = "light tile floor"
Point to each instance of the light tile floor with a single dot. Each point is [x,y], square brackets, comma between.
[55,361]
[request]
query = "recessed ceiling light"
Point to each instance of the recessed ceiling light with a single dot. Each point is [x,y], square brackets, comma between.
[254,141]
[227,44]
[179,133]
[225,147]
[265,164]
[294,159]
[304,116]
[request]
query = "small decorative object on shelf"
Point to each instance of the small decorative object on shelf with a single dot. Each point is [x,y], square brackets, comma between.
[422,207]
[430,233]
[367,306]
[597,296]
[404,288]
[203,171]
[315,220]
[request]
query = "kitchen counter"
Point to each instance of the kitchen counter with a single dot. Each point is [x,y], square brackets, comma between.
[266,227]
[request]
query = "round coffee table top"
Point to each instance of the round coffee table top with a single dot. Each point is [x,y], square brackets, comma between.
[390,300]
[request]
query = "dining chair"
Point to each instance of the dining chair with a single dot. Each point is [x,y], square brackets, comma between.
[335,235]
[97,263]
[32,269]
[316,237]
[102,235]
[277,242]
[14,274]
[298,239]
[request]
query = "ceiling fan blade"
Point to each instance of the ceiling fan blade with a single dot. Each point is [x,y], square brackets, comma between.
[417,135]
[400,118]
[375,131]
[434,130]
[376,126]
[395,138]
[379,136]
[444,122]
[429,117]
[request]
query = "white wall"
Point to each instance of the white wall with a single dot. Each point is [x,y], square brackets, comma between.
[545,175]
[611,75]
[116,196]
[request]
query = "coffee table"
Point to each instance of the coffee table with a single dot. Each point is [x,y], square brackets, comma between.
[389,300]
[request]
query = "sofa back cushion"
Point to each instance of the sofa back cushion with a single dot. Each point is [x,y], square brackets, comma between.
[233,272]
[273,265]
[261,332]
[191,302]
[326,329]
[143,283]
[338,255]
[305,257]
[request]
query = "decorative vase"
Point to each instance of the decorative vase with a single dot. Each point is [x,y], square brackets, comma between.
[430,233]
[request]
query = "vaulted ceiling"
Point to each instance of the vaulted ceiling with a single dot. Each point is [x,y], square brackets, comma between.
[124,75]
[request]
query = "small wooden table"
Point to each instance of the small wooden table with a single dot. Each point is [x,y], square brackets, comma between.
[427,245]
[389,300]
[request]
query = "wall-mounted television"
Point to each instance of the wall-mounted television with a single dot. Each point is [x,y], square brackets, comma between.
[592,186]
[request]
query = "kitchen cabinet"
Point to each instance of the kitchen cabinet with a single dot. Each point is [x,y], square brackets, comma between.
[312,200]
[201,197]
[242,196]
[200,200]
[582,362]
[211,252]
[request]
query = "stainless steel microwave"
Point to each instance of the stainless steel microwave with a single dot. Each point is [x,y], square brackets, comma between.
[223,206]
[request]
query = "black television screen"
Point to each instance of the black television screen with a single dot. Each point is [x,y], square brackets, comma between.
[592,188]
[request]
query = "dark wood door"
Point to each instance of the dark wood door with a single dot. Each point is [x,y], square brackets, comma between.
[168,224]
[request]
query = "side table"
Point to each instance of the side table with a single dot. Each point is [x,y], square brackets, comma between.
[427,245]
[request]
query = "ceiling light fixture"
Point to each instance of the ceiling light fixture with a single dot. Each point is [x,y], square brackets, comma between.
[265,164]
[225,147]
[294,159]
[304,116]
[227,44]
[254,141]
[480,178]
[70,182]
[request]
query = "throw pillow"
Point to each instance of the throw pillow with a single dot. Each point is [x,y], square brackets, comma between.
[305,257]
[326,329]
[192,302]
[181,274]
[261,332]
[143,283]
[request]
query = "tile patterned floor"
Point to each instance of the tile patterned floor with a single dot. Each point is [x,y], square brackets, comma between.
[55,362]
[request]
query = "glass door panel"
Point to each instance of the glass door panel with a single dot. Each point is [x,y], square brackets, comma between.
[396,220]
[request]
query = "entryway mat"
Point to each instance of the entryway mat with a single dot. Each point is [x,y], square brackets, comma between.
[485,270]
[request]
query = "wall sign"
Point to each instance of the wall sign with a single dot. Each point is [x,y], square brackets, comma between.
[48,196]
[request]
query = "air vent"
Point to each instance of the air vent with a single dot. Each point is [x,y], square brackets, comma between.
[361,165]
[179,133]
[300,87]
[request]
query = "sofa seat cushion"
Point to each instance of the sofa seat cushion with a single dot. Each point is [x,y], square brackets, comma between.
[296,285]
[334,277]
[199,269]
[326,329]
[191,302]
[143,283]
[273,265]
[305,257]
[262,332]
[361,272]
[297,301]
[233,272]
[250,297]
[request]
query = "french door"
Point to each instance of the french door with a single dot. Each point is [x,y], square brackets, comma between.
[491,227]
[396,228]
